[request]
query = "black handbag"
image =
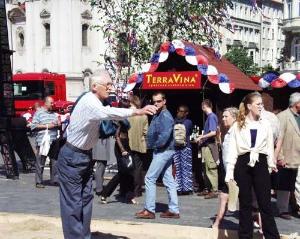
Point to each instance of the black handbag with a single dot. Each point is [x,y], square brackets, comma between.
[126,163]
[56,146]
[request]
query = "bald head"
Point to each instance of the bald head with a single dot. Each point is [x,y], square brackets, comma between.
[48,98]
[48,103]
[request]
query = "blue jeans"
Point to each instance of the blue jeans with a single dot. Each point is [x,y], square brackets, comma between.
[161,164]
[76,192]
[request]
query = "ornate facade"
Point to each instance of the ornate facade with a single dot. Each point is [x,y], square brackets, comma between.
[291,28]
[55,36]
[259,32]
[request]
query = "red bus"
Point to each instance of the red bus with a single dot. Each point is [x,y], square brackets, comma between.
[34,87]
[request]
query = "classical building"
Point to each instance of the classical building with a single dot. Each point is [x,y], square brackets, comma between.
[258,31]
[55,36]
[291,28]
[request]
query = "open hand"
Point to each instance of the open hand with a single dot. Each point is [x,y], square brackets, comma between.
[199,139]
[148,109]
[281,163]
[124,153]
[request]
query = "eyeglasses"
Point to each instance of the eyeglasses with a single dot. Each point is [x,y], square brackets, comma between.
[107,85]
[157,101]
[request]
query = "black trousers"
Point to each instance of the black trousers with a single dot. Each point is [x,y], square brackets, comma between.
[138,159]
[125,179]
[257,177]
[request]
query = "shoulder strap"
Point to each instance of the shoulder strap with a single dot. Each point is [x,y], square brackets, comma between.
[76,102]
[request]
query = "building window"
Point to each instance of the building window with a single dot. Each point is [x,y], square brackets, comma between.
[47,34]
[289,8]
[85,28]
[20,36]
[49,88]
[297,50]
[272,54]
[264,32]
[21,39]
[252,55]
[273,34]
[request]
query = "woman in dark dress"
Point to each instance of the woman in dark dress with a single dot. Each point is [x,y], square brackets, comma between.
[124,177]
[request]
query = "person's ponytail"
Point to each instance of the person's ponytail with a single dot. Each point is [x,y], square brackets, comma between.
[241,119]
[243,111]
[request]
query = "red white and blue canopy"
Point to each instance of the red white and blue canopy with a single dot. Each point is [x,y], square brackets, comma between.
[275,80]
[190,54]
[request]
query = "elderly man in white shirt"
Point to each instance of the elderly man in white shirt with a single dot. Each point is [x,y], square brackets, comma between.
[75,165]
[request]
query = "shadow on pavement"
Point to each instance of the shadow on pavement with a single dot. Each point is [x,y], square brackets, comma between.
[229,225]
[100,235]
[161,207]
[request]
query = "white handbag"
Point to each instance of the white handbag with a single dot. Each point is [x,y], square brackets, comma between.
[45,144]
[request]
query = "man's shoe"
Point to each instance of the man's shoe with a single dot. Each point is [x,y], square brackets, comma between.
[145,214]
[285,215]
[184,193]
[296,214]
[103,200]
[13,177]
[203,193]
[169,214]
[211,195]
[39,185]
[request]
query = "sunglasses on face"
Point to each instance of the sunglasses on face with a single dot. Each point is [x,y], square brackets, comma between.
[157,101]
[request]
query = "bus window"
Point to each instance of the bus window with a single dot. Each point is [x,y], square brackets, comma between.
[49,88]
[28,90]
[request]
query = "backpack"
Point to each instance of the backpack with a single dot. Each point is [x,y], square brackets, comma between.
[107,128]
[179,133]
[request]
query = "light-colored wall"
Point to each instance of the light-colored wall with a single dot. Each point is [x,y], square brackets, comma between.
[291,28]
[250,27]
[66,55]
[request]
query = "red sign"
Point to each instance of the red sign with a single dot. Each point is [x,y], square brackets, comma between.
[172,80]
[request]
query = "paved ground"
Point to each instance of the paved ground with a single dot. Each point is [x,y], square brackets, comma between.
[21,196]
[15,226]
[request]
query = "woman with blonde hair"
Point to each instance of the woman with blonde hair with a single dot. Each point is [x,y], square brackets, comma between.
[229,117]
[250,158]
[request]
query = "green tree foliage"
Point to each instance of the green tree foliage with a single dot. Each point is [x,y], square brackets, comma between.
[239,57]
[267,68]
[133,29]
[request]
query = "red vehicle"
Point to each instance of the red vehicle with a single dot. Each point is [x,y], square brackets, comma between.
[30,88]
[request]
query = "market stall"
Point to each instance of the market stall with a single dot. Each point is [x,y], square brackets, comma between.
[188,73]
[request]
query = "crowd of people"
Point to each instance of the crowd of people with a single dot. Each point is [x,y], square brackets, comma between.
[257,152]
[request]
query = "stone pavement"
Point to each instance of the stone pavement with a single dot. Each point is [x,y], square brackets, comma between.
[21,196]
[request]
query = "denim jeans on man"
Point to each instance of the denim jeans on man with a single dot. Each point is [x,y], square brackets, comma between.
[160,139]
[161,164]
[76,192]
